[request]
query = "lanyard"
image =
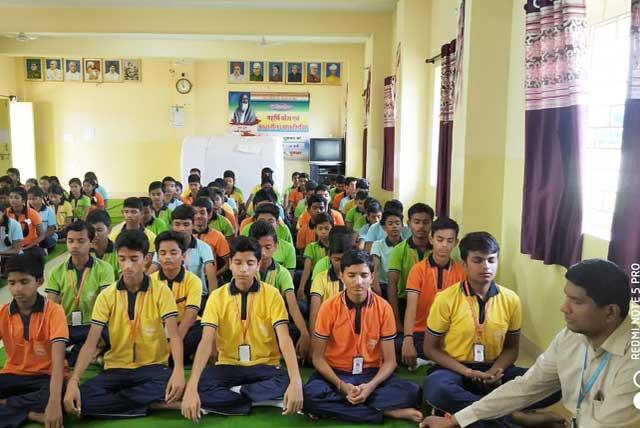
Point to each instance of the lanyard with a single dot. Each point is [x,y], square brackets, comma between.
[134,325]
[474,316]
[594,377]
[76,294]
[352,323]
[245,323]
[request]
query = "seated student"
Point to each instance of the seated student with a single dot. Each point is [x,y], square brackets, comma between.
[337,188]
[232,191]
[31,182]
[267,184]
[199,257]
[247,320]
[14,175]
[218,221]
[263,196]
[89,189]
[90,175]
[306,234]
[324,263]
[595,346]
[132,212]
[354,381]
[377,232]
[150,221]
[309,189]
[405,255]
[44,184]
[170,193]
[4,195]
[77,282]
[265,174]
[223,208]
[374,213]
[321,225]
[5,182]
[218,183]
[80,203]
[357,216]
[473,331]
[348,188]
[361,185]
[36,198]
[285,254]
[158,204]
[12,232]
[103,247]
[137,311]
[187,192]
[178,189]
[185,286]
[272,273]
[216,240]
[292,195]
[194,186]
[32,228]
[323,191]
[269,213]
[426,279]
[61,208]
[381,250]
[32,379]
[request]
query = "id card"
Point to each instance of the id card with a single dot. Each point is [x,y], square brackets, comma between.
[478,353]
[244,352]
[76,318]
[358,365]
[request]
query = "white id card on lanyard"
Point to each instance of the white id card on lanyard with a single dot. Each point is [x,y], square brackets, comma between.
[244,353]
[357,365]
[478,353]
[76,318]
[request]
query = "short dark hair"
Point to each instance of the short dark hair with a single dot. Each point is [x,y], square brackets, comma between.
[91,175]
[36,191]
[75,180]
[266,180]
[80,225]
[218,182]
[132,202]
[204,192]
[303,175]
[478,241]
[350,180]
[55,189]
[391,213]
[99,216]
[20,191]
[183,212]
[267,209]
[260,229]
[362,195]
[340,179]
[264,195]
[168,178]
[195,169]
[54,179]
[372,206]
[321,188]
[295,174]
[156,185]
[32,181]
[421,208]
[393,205]
[229,174]
[6,179]
[14,171]
[362,184]
[243,244]
[193,178]
[604,282]
[444,223]
[320,218]
[341,240]
[146,201]
[356,257]
[30,264]
[45,177]
[314,199]
[169,235]
[311,186]
[216,193]
[203,203]
[134,240]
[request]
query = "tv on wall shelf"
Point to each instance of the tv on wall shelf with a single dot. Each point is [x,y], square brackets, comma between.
[326,158]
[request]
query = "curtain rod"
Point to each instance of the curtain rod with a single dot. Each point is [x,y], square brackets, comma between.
[433,59]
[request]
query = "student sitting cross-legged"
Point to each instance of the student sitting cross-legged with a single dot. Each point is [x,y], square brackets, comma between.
[473,331]
[132,212]
[136,310]
[185,286]
[34,333]
[103,247]
[247,320]
[316,204]
[158,205]
[77,282]
[149,220]
[354,354]
[321,226]
[426,279]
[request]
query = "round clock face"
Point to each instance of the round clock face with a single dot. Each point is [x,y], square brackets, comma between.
[183,86]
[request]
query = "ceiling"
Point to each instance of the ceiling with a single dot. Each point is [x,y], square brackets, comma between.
[360,5]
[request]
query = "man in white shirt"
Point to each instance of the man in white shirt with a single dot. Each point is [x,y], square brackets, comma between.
[73,73]
[54,72]
[237,76]
[112,75]
[590,361]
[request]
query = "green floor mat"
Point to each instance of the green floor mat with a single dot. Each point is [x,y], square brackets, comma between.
[60,248]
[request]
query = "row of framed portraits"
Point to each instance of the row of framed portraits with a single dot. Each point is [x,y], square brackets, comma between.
[90,70]
[290,73]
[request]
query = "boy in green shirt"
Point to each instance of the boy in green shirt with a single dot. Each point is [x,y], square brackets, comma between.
[149,220]
[158,204]
[102,246]
[357,216]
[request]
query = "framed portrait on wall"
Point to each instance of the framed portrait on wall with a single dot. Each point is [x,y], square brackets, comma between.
[33,69]
[276,72]
[256,71]
[92,70]
[313,75]
[72,70]
[132,70]
[333,73]
[237,72]
[112,70]
[53,71]
[294,73]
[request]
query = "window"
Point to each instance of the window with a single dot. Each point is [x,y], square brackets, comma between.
[435,126]
[608,73]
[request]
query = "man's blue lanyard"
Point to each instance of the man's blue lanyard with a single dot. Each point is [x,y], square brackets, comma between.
[594,377]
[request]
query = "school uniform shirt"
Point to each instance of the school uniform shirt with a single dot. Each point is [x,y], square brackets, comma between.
[198,255]
[229,214]
[356,218]
[216,241]
[186,288]
[222,225]
[29,221]
[315,251]
[65,281]
[10,232]
[232,204]
[382,250]
[362,233]
[326,285]
[174,203]
[48,219]
[79,206]
[282,231]
[451,318]
[294,196]
[97,201]
[560,367]
[111,257]
[300,208]
[335,203]
[62,212]
[354,330]
[164,214]
[135,323]
[305,218]
[401,260]
[426,279]
[259,311]
[277,276]
[237,196]
[345,204]
[376,233]
[305,236]
[103,192]
[157,226]
[285,254]
[117,230]
[28,340]
[321,265]
[258,187]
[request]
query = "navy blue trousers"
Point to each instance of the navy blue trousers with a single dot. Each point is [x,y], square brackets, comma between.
[124,393]
[451,392]
[192,339]
[418,342]
[77,336]
[258,383]
[24,394]
[322,398]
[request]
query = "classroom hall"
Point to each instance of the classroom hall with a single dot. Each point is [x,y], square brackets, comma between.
[518,118]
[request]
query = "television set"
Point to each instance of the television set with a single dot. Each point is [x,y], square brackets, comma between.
[326,150]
